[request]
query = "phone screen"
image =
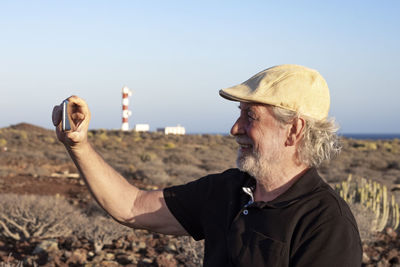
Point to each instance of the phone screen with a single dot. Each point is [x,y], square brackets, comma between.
[65,120]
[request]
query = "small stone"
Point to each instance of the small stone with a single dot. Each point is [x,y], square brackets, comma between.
[393,253]
[46,246]
[124,259]
[147,260]
[98,258]
[166,260]
[120,244]
[79,256]
[109,264]
[382,263]
[376,256]
[171,247]
[109,256]
[67,254]
[390,232]
[131,237]
[142,245]
[365,258]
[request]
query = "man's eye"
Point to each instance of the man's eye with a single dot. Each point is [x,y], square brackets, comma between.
[251,117]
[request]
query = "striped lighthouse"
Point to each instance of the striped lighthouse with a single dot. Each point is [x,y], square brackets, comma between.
[126,93]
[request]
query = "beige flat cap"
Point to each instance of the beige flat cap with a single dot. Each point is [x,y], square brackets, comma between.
[292,87]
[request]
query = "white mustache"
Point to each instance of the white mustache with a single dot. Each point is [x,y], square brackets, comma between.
[243,140]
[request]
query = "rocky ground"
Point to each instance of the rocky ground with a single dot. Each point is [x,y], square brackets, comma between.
[33,162]
[136,249]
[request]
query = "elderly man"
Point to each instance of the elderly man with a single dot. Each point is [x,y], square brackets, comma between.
[274,210]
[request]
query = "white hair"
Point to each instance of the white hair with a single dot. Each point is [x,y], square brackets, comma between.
[319,141]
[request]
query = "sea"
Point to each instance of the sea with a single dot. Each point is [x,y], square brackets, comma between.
[360,136]
[371,136]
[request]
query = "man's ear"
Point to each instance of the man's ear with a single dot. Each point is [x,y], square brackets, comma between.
[295,131]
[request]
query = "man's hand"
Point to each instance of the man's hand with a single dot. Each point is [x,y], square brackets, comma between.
[79,113]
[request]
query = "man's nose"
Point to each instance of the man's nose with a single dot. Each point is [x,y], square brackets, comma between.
[237,127]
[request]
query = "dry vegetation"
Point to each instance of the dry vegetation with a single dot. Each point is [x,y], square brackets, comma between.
[62,213]
[51,230]
[152,158]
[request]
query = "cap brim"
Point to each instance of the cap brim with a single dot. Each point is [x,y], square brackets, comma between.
[231,97]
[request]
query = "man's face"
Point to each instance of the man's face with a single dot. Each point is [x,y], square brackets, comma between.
[261,140]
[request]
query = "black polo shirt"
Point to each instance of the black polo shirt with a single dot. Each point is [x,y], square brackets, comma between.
[308,225]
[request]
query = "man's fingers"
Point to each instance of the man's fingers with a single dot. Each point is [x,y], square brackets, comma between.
[73,136]
[79,108]
[78,102]
[78,116]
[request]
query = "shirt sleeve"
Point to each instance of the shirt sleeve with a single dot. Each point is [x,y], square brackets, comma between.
[186,202]
[333,243]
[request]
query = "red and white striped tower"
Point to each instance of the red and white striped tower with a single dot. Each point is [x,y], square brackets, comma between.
[125,112]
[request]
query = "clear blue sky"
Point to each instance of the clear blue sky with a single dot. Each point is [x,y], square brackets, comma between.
[176,55]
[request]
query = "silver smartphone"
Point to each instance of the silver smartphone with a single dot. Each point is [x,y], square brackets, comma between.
[66,126]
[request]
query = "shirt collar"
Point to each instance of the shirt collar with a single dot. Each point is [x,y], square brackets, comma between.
[306,184]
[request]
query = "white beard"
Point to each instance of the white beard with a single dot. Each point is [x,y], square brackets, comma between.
[261,167]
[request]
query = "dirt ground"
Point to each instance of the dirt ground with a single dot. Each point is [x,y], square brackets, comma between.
[71,189]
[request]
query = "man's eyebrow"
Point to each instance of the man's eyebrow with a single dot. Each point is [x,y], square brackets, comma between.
[246,109]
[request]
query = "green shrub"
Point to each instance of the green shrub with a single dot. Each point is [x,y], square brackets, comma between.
[169,145]
[102,136]
[147,156]
[3,142]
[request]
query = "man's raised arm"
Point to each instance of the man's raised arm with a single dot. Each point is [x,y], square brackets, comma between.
[123,201]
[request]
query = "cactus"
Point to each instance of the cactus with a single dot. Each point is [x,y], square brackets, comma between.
[396,217]
[395,210]
[382,220]
[374,196]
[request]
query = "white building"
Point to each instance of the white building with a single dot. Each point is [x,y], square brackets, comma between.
[172,130]
[142,127]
